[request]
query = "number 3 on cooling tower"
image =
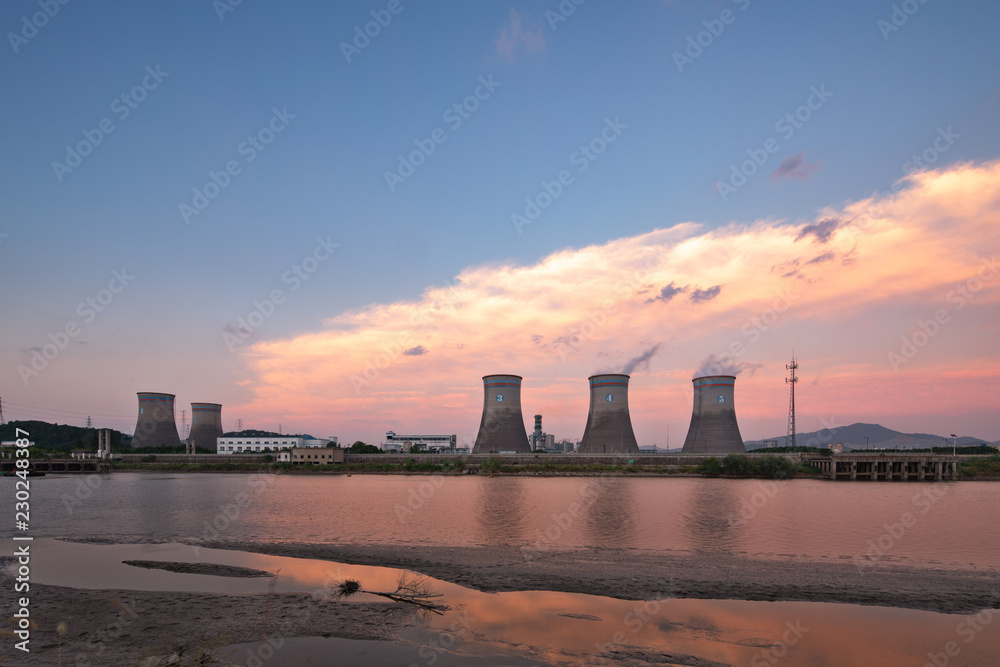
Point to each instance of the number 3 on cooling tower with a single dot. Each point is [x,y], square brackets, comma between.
[499,398]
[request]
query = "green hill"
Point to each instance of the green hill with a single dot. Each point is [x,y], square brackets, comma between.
[61,437]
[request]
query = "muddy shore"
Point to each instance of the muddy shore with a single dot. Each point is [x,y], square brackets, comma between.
[641,575]
[121,627]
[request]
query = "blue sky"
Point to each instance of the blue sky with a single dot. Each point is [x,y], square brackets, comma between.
[323,176]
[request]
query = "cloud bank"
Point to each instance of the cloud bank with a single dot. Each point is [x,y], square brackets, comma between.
[847,290]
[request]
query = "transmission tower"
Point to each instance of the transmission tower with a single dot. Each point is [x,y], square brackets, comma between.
[239,424]
[184,422]
[1,412]
[89,423]
[790,438]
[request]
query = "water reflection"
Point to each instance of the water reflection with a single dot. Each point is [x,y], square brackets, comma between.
[501,511]
[709,520]
[609,518]
[564,627]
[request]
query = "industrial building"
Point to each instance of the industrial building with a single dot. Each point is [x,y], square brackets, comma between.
[155,425]
[609,425]
[541,440]
[713,427]
[395,442]
[244,444]
[206,425]
[501,429]
[312,455]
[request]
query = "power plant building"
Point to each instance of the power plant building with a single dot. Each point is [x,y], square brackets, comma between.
[713,427]
[395,442]
[155,425]
[609,425]
[206,424]
[502,425]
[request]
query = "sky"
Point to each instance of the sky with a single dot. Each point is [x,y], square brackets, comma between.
[335,218]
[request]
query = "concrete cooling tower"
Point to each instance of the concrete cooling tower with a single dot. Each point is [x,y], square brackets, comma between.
[609,426]
[206,424]
[155,426]
[713,427]
[502,426]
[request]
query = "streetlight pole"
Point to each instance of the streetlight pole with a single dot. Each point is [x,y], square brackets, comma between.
[954,440]
[866,443]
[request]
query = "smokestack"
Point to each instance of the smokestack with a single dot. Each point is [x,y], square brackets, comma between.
[155,426]
[502,426]
[609,426]
[713,427]
[206,424]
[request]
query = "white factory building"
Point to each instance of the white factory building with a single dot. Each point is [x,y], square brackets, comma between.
[395,442]
[247,445]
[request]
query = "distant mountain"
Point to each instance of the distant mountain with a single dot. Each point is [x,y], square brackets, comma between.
[879,437]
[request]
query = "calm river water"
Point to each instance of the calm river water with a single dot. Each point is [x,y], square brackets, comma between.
[949,524]
[954,523]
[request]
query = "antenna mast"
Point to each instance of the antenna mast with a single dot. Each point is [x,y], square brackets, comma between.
[791,380]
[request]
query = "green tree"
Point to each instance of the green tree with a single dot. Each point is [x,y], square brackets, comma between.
[710,467]
[737,464]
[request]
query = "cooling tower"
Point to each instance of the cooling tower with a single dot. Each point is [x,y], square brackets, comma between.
[502,426]
[609,427]
[155,426]
[713,427]
[206,424]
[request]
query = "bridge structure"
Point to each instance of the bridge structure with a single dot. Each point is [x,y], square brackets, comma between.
[889,467]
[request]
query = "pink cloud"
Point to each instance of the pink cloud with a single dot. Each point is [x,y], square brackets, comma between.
[910,258]
[517,35]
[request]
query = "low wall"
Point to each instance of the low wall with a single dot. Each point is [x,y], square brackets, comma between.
[557,459]
[193,458]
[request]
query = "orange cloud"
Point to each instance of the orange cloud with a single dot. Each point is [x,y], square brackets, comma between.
[846,290]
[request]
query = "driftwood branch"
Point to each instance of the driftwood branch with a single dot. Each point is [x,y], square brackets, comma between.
[409,590]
